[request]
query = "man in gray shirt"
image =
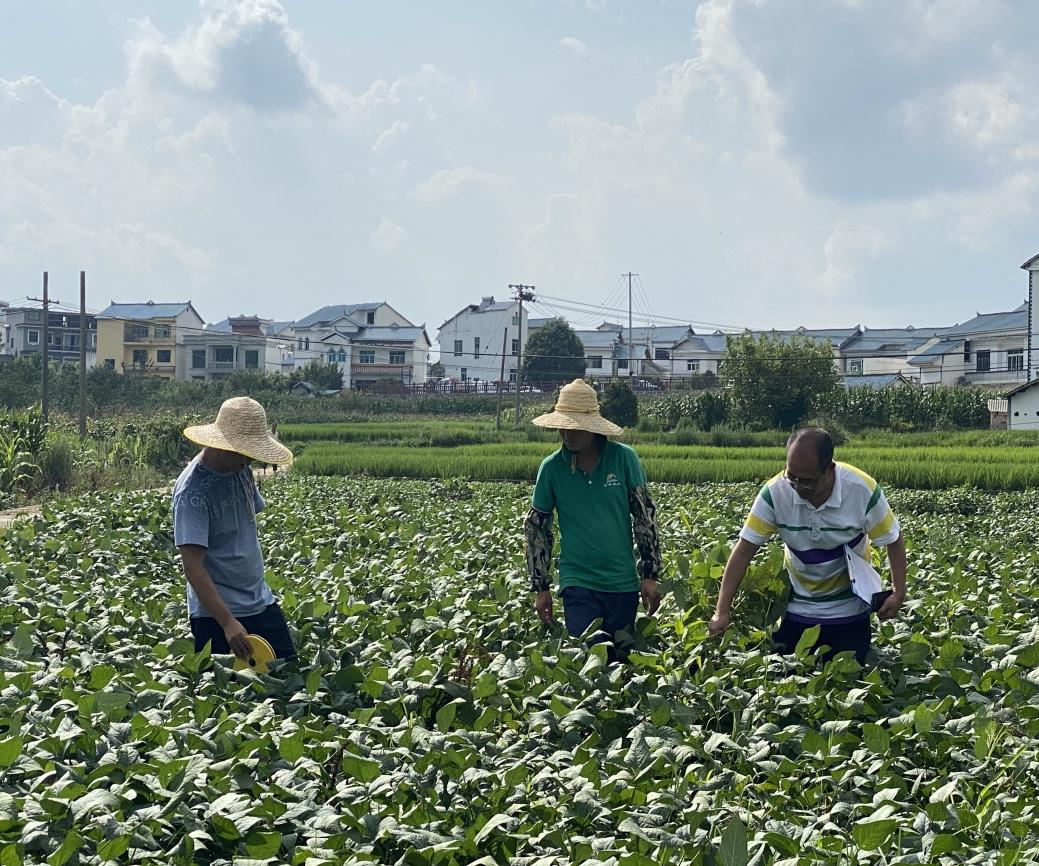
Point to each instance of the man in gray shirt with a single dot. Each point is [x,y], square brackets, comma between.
[215,503]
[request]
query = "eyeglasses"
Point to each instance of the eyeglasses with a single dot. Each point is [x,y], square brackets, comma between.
[803,483]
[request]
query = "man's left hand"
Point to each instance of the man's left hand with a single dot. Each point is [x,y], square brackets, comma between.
[650,595]
[890,608]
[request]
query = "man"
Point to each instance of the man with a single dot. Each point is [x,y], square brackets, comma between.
[215,502]
[819,508]
[598,489]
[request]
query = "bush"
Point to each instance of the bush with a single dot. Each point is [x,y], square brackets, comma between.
[58,467]
[619,404]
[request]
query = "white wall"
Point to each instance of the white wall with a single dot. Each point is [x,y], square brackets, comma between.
[1024,410]
[488,326]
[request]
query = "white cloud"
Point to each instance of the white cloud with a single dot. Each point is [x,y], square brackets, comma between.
[983,113]
[449,182]
[388,236]
[389,135]
[575,45]
[843,250]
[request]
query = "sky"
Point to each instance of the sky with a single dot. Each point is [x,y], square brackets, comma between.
[758,163]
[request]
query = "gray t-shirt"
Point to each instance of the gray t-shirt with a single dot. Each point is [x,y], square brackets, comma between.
[213,510]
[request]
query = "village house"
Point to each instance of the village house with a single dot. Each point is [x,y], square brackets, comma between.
[147,338]
[471,341]
[21,333]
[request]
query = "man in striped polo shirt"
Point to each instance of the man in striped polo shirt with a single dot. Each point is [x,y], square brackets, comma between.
[818,507]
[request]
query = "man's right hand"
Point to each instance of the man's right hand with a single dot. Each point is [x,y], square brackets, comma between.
[234,633]
[719,622]
[543,605]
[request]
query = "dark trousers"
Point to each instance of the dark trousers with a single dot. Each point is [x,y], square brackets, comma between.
[617,609]
[269,624]
[855,636]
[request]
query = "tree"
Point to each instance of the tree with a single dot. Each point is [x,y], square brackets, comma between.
[436,370]
[776,381]
[326,377]
[619,404]
[553,354]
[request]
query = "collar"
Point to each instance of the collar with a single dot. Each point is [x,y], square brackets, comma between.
[836,494]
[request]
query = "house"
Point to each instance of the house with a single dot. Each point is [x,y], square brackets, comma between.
[880,351]
[391,354]
[216,352]
[878,381]
[471,340]
[147,338]
[308,331]
[1032,266]
[21,333]
[988,350]
[279,345]
[1023,406]
[653,349]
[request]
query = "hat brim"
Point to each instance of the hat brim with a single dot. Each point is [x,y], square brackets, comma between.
[590,423]
[265,449]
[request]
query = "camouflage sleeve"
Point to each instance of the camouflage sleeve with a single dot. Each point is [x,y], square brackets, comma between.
[537,531]
[644,525]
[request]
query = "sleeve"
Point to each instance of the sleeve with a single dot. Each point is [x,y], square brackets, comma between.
[544,498]
[537,533]
[190,519]
[760,524]
[644,527]
[880,524]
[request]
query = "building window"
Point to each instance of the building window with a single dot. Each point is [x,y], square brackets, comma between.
[476,347]
[32,338]
[73,342]
[458,348]
[33,316]
[397,356]
[162,332]
[515,347]
[162,356]
[252,359]
[966,351]
[370,318]
[1016,360]
[306,343]
[622,364]
[465,374]
[595,362]
[855,368]
[137,332]
[140,357]
[692,366]
[109,363]
[198,359]
[515,319]
[367,356]
[984,362]
[54,339]
[223,354]
[661,354]
[512,375]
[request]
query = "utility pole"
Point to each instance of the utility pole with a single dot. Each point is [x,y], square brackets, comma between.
[82,355]
[501,376]
[45,395]
[631,341]
[522,293]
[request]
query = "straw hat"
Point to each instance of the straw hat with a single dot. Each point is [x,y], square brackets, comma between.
[578,409]
[241,426]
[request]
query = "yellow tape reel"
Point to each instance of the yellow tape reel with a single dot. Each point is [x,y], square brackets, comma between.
[260,655]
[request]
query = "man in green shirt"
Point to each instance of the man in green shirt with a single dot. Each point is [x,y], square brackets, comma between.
[598,490]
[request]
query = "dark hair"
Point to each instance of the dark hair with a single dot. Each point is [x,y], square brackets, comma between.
[819,439]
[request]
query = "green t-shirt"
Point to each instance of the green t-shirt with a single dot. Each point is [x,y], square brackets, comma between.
[596,545]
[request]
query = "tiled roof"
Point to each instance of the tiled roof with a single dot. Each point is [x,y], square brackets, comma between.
[335,311]
[936,351]
[1011,320]
[149,310]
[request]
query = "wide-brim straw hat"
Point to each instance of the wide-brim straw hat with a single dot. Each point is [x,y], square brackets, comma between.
[241,426]
[578,409]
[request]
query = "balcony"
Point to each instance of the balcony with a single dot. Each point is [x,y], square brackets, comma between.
[397,370]
[220,365]
[996,377]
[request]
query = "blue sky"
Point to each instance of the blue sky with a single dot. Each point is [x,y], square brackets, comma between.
[760,163]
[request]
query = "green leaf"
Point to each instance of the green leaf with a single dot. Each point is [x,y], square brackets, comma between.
[114,848]
[1029,656]
[225,828]
[10,749]
[22,641]
[486,685]
[69,846]
[496,822]
[872,835]
[446,716]
[915,652]
[876,738]
[101,676]
[313,682]
[262,845]
[9,856]
[109,702]
[8,812]
[809,638]
[782,845]
[945,843]
[291,748]
[733,849]
[923,719]
[361,769]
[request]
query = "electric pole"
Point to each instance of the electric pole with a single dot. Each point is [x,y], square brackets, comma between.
[501,376]
[82,355]
[522,293]
[631,341]
[45,395]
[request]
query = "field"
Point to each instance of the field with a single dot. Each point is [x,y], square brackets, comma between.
[431,720]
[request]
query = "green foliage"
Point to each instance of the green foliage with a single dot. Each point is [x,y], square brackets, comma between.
[326,377]
[436,370]
[619,404]
[553,353]
[430,719]
[775,381]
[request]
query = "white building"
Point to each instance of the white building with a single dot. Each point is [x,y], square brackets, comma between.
[471,341]
[309,331]
[988,350]
[21,333]
[1023,407]
[885,351]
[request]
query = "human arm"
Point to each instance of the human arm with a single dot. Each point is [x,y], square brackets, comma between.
[537,534]
[896,560]
[647,540]
[193,559]
[732,577]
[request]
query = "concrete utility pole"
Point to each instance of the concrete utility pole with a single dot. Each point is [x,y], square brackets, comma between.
[522,293]
[631,341]
[82,354]
[501,376]
[45,395]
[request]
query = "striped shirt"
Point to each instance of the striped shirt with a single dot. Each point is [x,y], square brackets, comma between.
[856,514]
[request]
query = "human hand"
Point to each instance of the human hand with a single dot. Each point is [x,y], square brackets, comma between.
[543,606]
[235,634]
[890,608]
[650,595]
[719,622]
